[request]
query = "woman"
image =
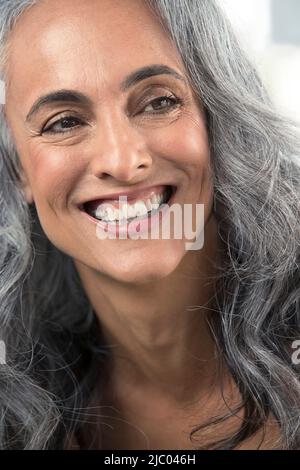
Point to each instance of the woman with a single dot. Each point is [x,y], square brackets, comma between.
[141,343]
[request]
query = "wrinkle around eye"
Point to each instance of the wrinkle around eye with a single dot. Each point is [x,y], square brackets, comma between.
[159,120]
[59,140]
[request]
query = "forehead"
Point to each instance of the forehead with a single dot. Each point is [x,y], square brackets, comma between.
[74,44]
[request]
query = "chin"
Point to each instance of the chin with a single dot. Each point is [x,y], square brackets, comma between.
[145,267]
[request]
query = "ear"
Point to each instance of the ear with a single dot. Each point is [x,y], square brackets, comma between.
[26,188]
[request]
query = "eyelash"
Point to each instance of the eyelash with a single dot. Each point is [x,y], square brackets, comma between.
[176,102]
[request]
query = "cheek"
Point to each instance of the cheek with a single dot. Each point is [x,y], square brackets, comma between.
[53,175]
[185,144]
[192,150]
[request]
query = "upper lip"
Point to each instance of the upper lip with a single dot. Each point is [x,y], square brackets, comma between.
[133,194]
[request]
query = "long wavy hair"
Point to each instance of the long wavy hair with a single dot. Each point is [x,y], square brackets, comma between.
[55,350]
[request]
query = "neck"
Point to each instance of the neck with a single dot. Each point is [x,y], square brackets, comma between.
[159,332]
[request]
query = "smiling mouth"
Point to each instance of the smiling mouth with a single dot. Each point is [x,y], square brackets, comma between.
[127,212]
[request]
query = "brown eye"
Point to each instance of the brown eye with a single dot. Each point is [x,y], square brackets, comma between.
[163,104]
[63,125]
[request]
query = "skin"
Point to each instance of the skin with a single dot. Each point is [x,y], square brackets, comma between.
[163,354]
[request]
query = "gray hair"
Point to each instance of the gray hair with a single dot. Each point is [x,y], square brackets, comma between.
[53,341]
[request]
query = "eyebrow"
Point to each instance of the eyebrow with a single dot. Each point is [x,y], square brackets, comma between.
[79,98]
[147,72]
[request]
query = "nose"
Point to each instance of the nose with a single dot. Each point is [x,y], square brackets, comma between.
[120,151]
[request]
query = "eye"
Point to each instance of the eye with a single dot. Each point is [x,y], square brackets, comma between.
[163,104]
[63,125]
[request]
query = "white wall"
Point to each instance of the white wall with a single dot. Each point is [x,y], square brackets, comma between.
[252,21]
[279,64]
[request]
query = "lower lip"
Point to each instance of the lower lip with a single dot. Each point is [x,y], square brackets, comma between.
[136,226]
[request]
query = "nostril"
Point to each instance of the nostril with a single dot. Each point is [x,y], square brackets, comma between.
[104,176]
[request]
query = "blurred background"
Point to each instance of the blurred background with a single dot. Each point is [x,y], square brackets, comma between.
[270,32]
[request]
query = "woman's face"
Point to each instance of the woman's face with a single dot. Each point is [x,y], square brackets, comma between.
[110,135]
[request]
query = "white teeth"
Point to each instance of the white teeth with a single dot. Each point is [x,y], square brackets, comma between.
[110,214]
[104,213]
[107,213]
[99,213]
[148,204]
[156,200]
[140,209]
[123,212]
[131,211]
